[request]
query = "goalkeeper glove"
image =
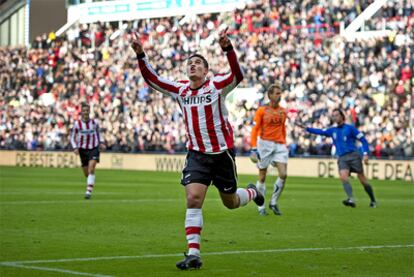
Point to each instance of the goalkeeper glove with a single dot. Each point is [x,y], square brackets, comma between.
[254,155]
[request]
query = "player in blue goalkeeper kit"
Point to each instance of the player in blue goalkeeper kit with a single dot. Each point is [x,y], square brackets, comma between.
[344,137]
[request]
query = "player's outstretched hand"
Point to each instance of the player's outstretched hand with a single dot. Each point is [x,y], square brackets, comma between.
[102,147]
[366,161]
[224,40]
[136,44]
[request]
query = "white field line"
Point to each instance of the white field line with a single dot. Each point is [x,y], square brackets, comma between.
[56,193]
[23,264]
[104,201]
[60,270]
[101,201]
[282,250]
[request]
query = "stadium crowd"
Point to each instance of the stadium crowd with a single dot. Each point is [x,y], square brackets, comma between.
[41,87]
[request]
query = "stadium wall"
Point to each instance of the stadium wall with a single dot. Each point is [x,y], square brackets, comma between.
[306,167]
[46,16]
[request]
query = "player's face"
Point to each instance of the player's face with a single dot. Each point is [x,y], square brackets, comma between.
[85,113]
[337,117]
[275,96]
[196,69]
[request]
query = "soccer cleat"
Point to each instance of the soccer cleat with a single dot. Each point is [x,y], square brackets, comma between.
[263,212]
[259,199]
[348,202]
[190,262]
[275,209]
[373,204]
[88,195]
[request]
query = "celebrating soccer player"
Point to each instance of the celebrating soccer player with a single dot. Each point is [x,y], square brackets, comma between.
[344,137]
[86,142]
[211,157]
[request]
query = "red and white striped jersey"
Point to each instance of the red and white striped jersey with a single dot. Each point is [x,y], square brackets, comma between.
[85,135]
[204,110]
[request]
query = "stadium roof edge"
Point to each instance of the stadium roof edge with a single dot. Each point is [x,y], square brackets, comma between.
[127,10]
[351,32]
[65,27]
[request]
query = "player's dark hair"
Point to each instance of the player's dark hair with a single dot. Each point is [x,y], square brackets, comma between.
[341,112]
[275,85]
[201,57]
[85,104]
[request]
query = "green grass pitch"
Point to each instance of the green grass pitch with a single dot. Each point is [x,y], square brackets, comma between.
[134,226]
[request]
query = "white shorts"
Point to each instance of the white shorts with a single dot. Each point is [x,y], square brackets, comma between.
[271,153]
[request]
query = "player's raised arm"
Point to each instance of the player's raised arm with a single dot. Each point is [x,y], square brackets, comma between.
[148,73]
[229,81]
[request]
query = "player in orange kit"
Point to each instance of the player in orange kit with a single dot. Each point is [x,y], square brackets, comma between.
[270,148]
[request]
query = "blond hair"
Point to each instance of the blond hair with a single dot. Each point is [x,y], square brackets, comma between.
[275,85]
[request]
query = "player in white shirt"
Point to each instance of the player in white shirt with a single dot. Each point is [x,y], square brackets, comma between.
[210,158]
[86,142]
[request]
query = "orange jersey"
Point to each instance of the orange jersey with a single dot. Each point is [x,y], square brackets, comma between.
[269,125]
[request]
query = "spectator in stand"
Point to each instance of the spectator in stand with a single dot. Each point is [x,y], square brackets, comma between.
[45,84]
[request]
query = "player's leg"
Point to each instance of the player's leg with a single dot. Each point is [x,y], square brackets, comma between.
[279,160]
[225,180]
[344,167]
[356,166]
[278,187]
[85,170]
[196,178]
[195,195]
[93,159]
[241,197]
[368,189]
[84,158]
[344,176]
[261,186]
[90,181]
[266,151]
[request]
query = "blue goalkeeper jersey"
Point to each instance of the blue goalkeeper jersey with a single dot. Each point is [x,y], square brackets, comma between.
[344,138]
